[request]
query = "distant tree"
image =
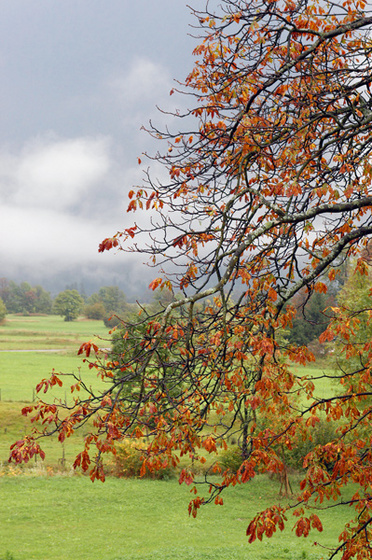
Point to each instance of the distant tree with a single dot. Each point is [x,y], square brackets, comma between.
[68,304]
[42,302]
[17,298]
[113,299]
[5,291]
[23,298]
[3,310]
[114,304]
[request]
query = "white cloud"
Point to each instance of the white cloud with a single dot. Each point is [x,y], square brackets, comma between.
[34,235]
[53,173]
[59,200]
[138,93]
[146,81]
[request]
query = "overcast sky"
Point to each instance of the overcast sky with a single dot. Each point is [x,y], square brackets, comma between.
[78,80]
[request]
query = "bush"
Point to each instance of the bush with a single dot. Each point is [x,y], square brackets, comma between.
[231,459]
[322,433]
[95,311]
[111,320]
[128,463]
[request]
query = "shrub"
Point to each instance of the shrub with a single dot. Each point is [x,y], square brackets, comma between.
[111,320]
[95,311]
[322,434]
[231,459]
[128,464]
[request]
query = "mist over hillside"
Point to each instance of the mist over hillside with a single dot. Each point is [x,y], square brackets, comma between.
[133,280]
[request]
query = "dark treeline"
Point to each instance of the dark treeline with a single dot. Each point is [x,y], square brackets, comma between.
[24,298]
[109,304]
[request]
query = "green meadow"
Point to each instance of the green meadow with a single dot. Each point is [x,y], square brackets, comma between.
[49,332]
[31,347]
[47,512]
[69,518]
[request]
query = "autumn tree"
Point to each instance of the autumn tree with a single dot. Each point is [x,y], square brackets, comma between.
[268,187]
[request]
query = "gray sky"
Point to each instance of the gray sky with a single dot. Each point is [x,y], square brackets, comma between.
[78,80]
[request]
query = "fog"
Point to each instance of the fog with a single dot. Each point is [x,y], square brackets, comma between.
[78,82]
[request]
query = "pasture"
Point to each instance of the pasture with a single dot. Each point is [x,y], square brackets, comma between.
[48,513]
[31,347]
[69,518]
[49,332]
[24,361]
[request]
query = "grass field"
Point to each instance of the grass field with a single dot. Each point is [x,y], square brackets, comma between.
[62,518]
[47,516]
[21,371]
[49,332]
[23,367]
[30,347]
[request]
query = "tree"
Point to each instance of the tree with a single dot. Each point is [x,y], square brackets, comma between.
[311,318]
[3,310]
[43,301]
[268,188]
[25,299]
[68,304]
[354,310]
[111,301]
[95,311]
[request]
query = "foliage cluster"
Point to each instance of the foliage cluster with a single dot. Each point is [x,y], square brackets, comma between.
[105,304]
[68,304]
[354,306]
[24,298]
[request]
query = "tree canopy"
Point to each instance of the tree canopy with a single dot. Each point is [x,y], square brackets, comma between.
[24,298]
[269,190]
[68,304]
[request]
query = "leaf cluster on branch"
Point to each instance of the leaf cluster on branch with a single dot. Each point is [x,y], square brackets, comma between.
[269,189]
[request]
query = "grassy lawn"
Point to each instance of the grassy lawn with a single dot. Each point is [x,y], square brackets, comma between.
[49,332]
[69,518]
[21,371]
[22,366]
[325,385]
[65,517]
[14,426]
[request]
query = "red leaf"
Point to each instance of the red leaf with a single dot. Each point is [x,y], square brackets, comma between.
[155,283]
